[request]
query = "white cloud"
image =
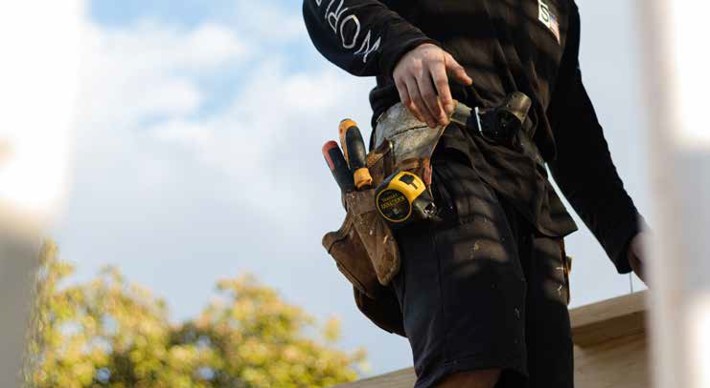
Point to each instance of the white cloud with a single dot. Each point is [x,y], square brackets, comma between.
[149,69]
[268,22]
[277,124]
[142,90]
[148,43]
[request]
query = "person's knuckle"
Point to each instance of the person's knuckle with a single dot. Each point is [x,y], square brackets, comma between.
[397,74]
[432,60]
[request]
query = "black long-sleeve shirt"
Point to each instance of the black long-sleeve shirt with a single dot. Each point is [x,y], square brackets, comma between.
[529,46]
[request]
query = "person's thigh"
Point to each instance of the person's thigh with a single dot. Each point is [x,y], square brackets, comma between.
[461,286]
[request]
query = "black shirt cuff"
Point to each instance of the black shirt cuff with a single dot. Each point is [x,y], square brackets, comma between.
[617,246]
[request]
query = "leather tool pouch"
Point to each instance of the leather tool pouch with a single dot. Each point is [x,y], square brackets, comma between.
[365,250]
[364,247]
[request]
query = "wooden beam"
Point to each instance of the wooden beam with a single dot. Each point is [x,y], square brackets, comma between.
[610,319]
[398,379]
[618,363]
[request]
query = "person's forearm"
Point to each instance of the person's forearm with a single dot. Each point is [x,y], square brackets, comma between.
[363,37]
[588,178]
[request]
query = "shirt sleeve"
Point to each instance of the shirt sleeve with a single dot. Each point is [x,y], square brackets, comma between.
[363,37]
[583,168]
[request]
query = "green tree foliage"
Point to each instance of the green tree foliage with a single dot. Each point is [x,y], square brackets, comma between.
[109,332]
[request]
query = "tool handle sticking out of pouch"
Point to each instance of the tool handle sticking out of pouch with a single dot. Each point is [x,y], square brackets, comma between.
[503,124]
[338,166]
[498,124]
[400,199]
[355,153]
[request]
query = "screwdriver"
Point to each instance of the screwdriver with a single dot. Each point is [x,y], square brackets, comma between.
[342,128]
[356,153]
[338,166]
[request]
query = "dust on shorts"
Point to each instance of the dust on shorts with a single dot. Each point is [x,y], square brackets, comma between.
[481,289]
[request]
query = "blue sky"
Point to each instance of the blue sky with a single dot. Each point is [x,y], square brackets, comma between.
[187,12]
[197,154]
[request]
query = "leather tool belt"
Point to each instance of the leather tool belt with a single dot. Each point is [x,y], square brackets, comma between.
[364,247]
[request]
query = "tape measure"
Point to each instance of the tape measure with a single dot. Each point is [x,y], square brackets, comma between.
[403,197]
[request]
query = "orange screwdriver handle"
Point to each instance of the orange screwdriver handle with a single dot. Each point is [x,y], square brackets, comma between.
[338,166]
[342,129]
[357,155]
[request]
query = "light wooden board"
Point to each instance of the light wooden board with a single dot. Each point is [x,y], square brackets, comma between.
[604,321]
[619,363]
[399,379]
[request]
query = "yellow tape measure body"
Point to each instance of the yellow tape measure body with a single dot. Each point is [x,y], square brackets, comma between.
[396,196]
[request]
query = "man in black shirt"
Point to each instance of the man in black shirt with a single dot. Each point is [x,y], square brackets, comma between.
[481,293]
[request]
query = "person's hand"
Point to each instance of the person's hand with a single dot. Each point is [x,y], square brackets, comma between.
[421,77]
[637,256]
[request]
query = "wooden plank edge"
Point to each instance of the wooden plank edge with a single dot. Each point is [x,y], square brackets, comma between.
[399,378]
[613,318]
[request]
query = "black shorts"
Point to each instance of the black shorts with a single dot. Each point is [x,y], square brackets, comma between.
[480,289]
